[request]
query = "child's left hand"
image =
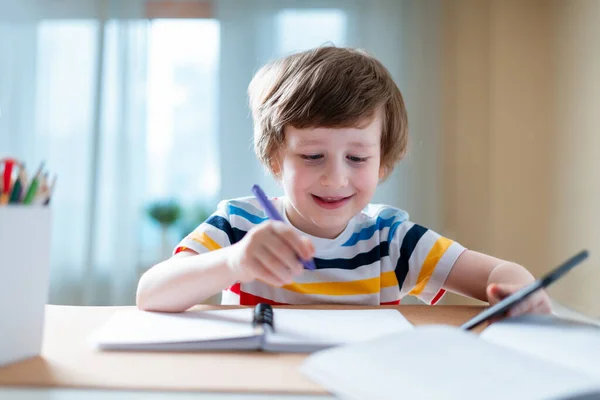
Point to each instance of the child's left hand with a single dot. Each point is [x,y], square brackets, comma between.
[537,303]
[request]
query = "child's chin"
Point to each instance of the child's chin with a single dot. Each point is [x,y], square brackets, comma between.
[331,222]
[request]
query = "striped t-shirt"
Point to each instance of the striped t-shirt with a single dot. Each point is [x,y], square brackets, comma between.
[379,258]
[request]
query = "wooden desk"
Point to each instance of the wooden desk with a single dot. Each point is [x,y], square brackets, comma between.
[69,361]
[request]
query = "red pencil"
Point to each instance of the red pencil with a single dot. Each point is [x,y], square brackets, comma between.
[8,167]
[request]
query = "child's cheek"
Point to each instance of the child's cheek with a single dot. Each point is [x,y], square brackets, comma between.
[366,179]
[295,177]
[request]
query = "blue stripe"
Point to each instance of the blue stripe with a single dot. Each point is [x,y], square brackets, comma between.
[393,229]
[238,234]
[409,243]
[233,210]
[248,205]
[367,233]
[375,254]
[234,234]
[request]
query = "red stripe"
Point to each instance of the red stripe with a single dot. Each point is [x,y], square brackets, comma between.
[235,288]
[390,303]
[438,296]
[183,248]
[247,299]
[180,249]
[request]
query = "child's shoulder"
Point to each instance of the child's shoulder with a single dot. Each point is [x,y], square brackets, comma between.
[239,202]
[376,222]
[381,213]
[245,206]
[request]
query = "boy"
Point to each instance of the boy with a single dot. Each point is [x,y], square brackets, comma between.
[329,124]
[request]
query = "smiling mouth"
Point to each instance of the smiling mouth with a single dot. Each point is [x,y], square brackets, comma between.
[331,202]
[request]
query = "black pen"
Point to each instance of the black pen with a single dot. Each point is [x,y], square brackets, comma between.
[504,305]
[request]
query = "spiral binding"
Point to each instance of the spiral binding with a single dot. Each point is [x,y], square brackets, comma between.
[263,314]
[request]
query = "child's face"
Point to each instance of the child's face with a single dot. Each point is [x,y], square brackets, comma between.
[329,175]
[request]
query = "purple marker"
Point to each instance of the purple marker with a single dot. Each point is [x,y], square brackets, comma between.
[274,215]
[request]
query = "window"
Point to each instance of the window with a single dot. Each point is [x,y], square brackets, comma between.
[182,154]
[133,123]
[182,149]
[324,26]
[63,92]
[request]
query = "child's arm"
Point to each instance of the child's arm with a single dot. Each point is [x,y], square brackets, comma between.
[268,253]
[184,280]
[491,279]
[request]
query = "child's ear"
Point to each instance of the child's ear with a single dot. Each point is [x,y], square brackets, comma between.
[382,172]
[275,167]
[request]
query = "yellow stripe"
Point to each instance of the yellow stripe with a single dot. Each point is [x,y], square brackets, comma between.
[205,241]
[363,286]
[352,288]
[436,252]
[389,279]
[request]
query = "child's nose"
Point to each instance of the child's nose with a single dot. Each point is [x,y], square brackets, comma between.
[334,176]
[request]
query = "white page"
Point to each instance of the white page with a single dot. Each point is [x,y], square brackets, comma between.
[310,330]
[131,329]
[440,362]
[571,344]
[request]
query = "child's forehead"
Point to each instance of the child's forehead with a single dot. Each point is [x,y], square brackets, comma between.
[366,134]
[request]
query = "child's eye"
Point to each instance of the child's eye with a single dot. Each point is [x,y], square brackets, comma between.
[356,159]
[311,157]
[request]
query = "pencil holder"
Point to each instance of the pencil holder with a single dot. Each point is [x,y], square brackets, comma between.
[24,279]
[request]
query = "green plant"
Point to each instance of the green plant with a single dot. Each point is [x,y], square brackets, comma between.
[165,212]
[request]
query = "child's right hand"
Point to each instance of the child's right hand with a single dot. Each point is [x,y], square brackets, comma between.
[269,252]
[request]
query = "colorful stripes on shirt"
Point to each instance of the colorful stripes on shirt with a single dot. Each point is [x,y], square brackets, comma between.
[379,258]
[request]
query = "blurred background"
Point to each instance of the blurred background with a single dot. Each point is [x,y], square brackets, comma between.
[140,108]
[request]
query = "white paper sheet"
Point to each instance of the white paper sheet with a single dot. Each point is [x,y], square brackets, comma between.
[440,362]
[295,330]
[129,329]
[571,344]
[310,330]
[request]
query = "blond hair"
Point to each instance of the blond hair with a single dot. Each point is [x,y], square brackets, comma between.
[329,87]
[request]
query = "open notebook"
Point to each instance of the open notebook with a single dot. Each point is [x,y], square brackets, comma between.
[529,357]
[294,330]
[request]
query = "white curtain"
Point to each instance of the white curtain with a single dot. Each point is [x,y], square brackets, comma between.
[71,98]
[74,92]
